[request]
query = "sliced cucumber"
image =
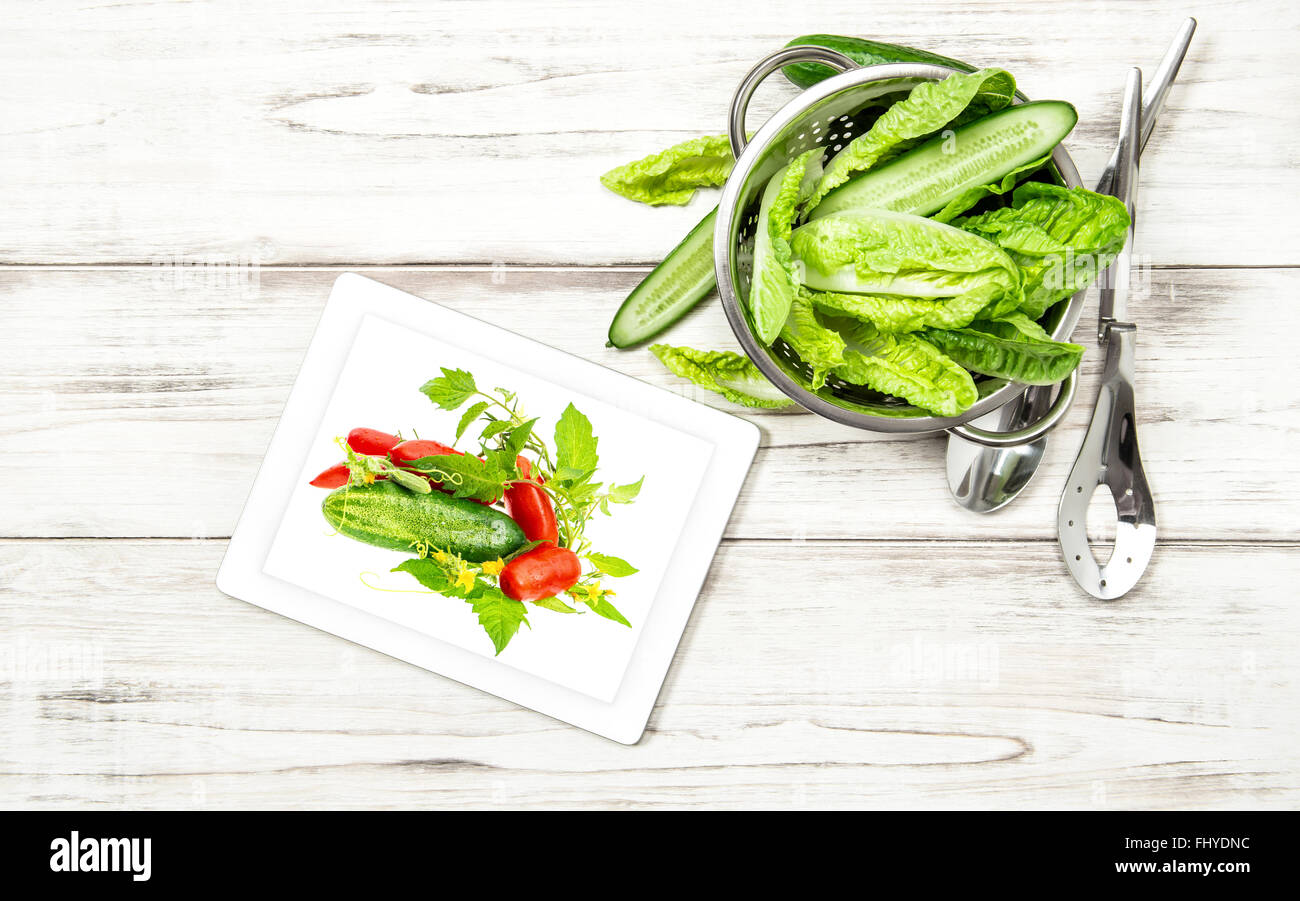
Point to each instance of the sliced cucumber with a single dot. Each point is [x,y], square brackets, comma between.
[674,286]
[922,181]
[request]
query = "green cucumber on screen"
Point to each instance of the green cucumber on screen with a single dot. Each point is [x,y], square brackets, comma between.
[864,52]
[389,516]
[925,180]
[676,285]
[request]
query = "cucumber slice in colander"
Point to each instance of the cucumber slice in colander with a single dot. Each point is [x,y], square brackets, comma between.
[922,181]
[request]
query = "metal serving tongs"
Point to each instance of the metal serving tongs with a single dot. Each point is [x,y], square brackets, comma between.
[1109,455]
[984,479]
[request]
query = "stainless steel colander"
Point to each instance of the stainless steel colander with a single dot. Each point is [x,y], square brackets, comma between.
[828,115]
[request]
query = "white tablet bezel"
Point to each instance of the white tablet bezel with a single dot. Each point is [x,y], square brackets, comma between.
[354,297]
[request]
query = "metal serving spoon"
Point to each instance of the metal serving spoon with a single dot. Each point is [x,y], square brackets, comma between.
[1109,457]
[984,479]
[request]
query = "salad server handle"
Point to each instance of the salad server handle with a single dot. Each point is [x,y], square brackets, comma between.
[1110,457]
[1154,102]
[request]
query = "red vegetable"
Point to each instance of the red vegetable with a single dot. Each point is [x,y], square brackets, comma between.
[334,477]
[531,508]
[408,451]
[541,573]
[415,449]
[372,442]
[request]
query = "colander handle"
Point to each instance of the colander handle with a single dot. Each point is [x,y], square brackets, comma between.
[800,53]
[1029,433]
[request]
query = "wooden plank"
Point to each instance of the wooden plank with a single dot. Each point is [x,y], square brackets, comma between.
[143,406]
[349,132]
[885,674]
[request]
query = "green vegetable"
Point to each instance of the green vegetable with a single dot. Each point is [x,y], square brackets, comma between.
[863,52]
[387,515]
[904,314]
[686,276]
[468,550]
[773,284]
[905,366]
[676,285]
[732,375]
[1060,238]
[567,475]
[1016,348]
[870,292]
[882,252]
[818,346]
[410,481]
[928,107]
[954,171]
[971,196]
[672,176]
[1013,325]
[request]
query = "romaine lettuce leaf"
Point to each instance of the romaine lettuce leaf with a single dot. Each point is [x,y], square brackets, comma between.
[906,366]
[1061,238]
[1016,348]
[880,252]
[672,176]
[732,375]
[906,314]
[1013,325]
[928,107]
[773,284]
[818,346]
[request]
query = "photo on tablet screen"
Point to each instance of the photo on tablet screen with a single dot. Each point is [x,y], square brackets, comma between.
[418,533]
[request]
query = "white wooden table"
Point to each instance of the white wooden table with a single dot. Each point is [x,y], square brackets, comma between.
[861,641]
